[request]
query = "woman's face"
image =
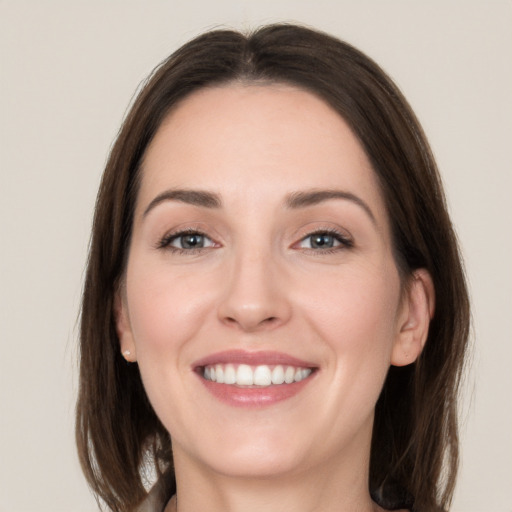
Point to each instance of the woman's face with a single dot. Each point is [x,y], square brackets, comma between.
[261,302]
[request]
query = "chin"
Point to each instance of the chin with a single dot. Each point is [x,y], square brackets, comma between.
[257,464]
[259,455]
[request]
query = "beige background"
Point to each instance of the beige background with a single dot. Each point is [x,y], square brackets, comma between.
[68,72]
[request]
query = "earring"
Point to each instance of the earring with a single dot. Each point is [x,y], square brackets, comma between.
[126,354]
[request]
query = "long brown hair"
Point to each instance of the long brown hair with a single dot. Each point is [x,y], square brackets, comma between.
[414,452]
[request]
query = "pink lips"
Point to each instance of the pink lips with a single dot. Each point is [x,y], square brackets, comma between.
[252,396]
[252,358]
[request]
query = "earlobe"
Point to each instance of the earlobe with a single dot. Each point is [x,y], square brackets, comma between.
[417,311]
[123,329]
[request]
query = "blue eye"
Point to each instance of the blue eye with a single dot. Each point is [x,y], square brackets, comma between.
[324,240]
[186,241]
[189,241]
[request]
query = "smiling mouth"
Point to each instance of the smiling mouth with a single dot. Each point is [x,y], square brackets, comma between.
[254,376]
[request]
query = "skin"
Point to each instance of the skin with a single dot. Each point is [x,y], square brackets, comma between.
[259,284]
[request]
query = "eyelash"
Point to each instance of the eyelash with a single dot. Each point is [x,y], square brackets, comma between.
[166,241]
[344,241]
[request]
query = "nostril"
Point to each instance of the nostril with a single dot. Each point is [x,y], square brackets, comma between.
[251,323]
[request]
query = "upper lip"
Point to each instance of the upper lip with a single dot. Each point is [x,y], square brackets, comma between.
[266,357]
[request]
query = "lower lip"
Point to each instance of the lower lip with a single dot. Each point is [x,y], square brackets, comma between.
[254,396]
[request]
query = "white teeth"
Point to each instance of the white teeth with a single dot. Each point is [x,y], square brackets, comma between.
[261,375]
[244,375]
[278,375]
[219,374]
[301,374]
[289,375]
[229,374]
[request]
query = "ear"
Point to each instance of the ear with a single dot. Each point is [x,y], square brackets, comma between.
[123,328]
[414,320]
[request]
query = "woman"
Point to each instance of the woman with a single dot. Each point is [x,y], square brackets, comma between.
[275,314]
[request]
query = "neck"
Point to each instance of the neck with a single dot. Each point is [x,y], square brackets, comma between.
[332,488]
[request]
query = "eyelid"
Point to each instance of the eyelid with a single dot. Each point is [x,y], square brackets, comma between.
[342,236]
[312,228]
[345,240]
[165,241]
[179,236]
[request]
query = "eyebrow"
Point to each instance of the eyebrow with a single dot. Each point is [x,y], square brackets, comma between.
[295,200]
[193,197]
[314,197]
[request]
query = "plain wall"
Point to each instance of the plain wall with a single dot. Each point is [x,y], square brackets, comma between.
[68,70]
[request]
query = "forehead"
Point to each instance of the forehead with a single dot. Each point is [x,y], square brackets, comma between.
[258,139]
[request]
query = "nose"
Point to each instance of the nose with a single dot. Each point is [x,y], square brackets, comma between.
[255,295]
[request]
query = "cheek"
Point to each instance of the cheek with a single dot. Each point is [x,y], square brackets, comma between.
[165,307]
[356,318]
[358,305]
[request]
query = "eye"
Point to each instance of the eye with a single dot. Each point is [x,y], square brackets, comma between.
[325,240]
[186,241]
